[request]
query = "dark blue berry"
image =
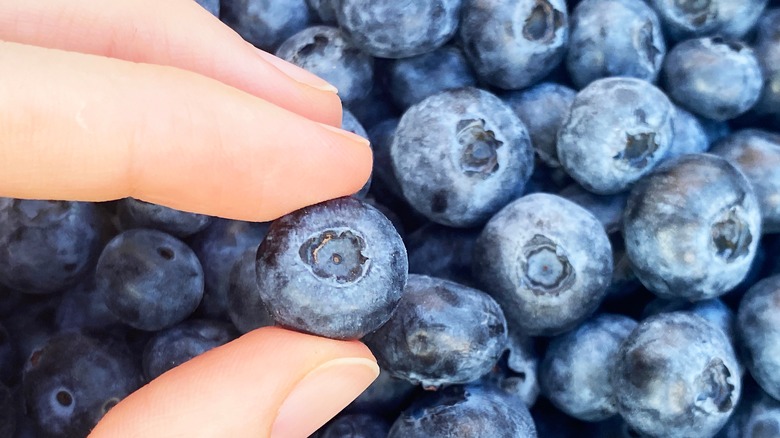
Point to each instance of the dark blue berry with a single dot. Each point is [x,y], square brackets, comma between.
[211,6]
[355,426]
[325,10]
[7,412]
[139,214]
[266,24]
[149,280]
[758,330]
[387,396]
[443,252]
[441,333]
[767,49]
[335,269]
[244,304]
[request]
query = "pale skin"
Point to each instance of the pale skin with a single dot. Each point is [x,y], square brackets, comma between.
[160,101]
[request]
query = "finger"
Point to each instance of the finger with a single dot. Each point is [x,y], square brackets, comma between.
[84,127]
[269,380]
[178,33]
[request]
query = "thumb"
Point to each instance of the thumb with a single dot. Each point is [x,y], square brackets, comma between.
[270,382]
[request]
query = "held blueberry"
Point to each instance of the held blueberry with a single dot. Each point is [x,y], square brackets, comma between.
[460,156]
[465,412]
[326,52]
[336,269]
[757,154]
[758,330]
[442,333]
[676,375]
[614,38]
[712,77]
[617,131]
[576,371]
[514,44]
[149,279]
[691,228]
[547,261]
[393,29]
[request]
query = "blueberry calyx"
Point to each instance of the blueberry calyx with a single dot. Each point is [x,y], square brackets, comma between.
[480,156]
[639,150]
[715,391]
[316,46]
[545,267]
[64,398]
[731,235]
[543,22]
[336,255]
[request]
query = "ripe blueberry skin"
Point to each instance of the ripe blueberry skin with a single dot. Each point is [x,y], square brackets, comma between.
[608,209]
[387,396]
[443,252]
[244,305]
[7,412]
[326,52]
[617,131]
[516,371]
[266,24]
[384,183]
[614,38]
[7,356]
[676,375]
[465,411]
[713,310]
[547,261]
[48,246]
[211,6]
[576,370]
[149,279]
[29,328]
[172,347]
[690,136]
[392,29]
[355,426]
[413,79]
[712,77]
[730,18]
[336,269]
[758,331]
[757,154]
[442,333]
[460,156]
[72,381]
[542,108]
[692,227]
[83,308]
[324,10]
[757,415]
[139,214]
[513,45]
[767,48]
[218,247]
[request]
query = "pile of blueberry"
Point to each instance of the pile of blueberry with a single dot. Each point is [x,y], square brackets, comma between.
[570,231]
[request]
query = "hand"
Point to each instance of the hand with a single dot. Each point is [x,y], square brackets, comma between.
[159,101]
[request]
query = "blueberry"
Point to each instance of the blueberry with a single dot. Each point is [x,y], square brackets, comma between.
[29,328]
[172,347]
[384,184]
[713,310]
[355,426]
[460,156]
[139,214]
[618,130]
[47,245]
[72,381]
[211,6]
[608,209]
[218,247]
[443,252]
[350,123]
[465,412]
[690,136]
[575,374]
[768,52]
[694,18]
[7,412]
[83,308]
[325,10]
[149,280]
[441,333]
[513,45]
[614,38]
[387,395]
[516,371]
[757,154]
[413,79]
[542,109]
[547,261]
[757,416]
[266,24]
[392,29]
[692,227]
[244,305]
[712,77]
[326,52]
[758,330]
[676,375]
[336,269]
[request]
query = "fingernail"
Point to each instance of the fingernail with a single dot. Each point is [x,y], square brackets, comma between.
[351,136]
[322,394]
[297,73]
